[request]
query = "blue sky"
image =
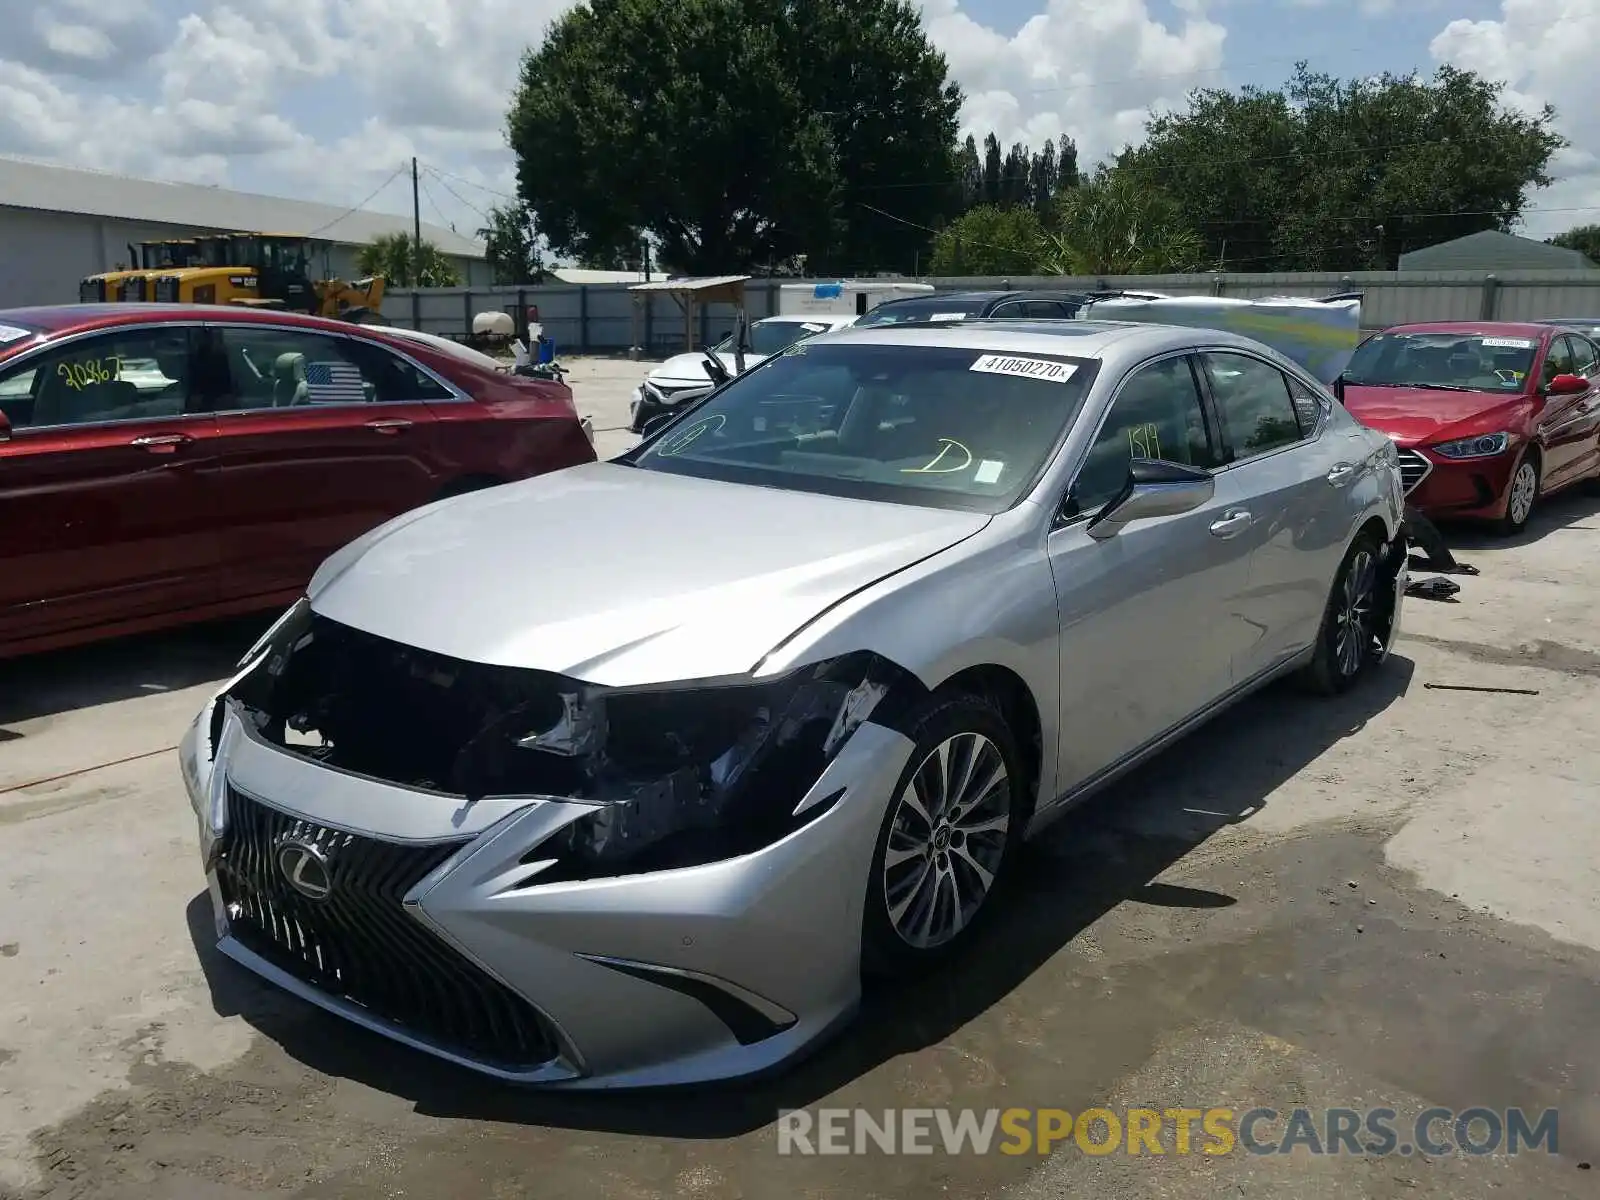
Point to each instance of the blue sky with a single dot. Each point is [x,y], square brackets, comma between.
[328,99]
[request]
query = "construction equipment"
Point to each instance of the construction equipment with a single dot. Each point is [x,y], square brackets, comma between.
[265,270]
[144,260]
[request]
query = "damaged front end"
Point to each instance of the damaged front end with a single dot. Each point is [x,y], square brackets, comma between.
[1391,590]
[670,777]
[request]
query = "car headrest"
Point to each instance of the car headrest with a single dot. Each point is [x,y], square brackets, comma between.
[290,366]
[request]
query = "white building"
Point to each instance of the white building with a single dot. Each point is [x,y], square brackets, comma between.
[58,224]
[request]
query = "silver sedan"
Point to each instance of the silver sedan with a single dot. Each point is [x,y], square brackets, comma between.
[571,806]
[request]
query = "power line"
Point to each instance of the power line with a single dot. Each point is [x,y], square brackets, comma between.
[472,183]
[438,212]
[355,208]
[439,178]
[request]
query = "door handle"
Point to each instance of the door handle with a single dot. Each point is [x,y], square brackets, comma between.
[161,443]
[1231,525]
[391,425]
[1343,474]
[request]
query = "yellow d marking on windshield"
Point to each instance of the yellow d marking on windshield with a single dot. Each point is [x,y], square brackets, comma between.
[938,466]
[1144,441]
[87,372]
[692,434]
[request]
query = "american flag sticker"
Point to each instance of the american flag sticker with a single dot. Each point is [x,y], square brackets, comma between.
[334,383]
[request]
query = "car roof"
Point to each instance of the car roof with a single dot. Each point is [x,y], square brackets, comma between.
[71,318]
[932,297]
[1074,339]
[1527,329]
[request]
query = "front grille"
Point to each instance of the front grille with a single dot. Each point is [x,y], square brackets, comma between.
[167,291]
[1414,469]
[134,290]
[360,944]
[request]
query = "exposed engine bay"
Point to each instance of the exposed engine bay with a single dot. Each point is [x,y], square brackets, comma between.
[675,776]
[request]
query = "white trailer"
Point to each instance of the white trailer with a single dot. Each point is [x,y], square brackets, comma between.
[1320,335]
[842,297]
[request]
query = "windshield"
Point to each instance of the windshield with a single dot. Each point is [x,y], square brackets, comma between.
[768,337]
[928,425]
[904,312]
[1448,361]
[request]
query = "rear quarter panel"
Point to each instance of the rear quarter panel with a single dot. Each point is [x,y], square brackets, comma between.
[512,427]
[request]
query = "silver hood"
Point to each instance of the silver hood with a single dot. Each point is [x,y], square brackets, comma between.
[681,369]
[620,576]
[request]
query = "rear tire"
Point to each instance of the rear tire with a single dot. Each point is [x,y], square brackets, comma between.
[1347,642]
[948,839]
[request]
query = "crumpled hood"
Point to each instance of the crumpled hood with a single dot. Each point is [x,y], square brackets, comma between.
[683,369]
[1414,415]
[621,576]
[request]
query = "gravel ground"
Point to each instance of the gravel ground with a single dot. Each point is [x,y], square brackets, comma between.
[1389,899]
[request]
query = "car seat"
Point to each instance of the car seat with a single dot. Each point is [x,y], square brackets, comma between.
[289,385]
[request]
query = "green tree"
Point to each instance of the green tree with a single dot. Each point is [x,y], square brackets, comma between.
[511,245]
[1330,174]
[738,132]
[1585,239]
[989,240]
[392,256]
[1113,224]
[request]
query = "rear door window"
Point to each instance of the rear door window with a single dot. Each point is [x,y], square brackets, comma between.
[270,367]
[1258,415]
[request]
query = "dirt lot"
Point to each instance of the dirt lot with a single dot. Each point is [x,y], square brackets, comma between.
[1393,899]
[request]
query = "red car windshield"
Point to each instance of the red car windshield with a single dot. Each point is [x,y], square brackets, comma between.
[1452,362]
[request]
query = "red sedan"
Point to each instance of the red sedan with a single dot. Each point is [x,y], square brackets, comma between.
[1488,416]
[167,464]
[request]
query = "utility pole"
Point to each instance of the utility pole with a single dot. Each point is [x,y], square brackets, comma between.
[416,248]
[416,228]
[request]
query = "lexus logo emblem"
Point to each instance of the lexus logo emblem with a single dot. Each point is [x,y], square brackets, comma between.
[305,868]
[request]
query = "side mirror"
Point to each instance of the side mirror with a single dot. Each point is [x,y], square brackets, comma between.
[715,370]
[1567,385]
[1337,388]
[1154,488]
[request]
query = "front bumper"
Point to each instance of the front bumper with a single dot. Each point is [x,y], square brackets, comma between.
[1466,488]
[438,934]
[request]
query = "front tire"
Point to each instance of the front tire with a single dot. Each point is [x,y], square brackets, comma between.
[1521,494]
[1347,642]
[948,839]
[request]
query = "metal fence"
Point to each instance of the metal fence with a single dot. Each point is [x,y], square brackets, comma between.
[600,318]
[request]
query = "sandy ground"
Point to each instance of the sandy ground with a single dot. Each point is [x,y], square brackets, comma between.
[1390,899]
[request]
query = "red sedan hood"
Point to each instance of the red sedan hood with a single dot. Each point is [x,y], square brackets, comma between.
[1411,415]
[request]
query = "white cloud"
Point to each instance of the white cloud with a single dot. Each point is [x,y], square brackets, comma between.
[1544,51]
[324,99]
[1092,69]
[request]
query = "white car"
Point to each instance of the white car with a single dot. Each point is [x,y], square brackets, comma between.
[683,377]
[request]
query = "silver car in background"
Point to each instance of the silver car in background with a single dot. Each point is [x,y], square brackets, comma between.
[569,806]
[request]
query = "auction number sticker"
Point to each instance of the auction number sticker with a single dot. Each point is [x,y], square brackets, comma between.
[1024,368]
[87,372]
[1508,343]
[10,333]
[961,316]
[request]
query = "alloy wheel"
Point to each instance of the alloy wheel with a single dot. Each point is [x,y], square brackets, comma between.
[947,840]
[1523,486]
[1352,632]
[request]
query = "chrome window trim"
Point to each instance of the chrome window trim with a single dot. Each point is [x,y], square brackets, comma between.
[457,396]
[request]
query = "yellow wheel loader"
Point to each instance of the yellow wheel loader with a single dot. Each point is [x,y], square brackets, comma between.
[265,270]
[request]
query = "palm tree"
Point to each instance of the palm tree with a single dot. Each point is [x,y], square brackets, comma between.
[1113,224]
[391,255]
